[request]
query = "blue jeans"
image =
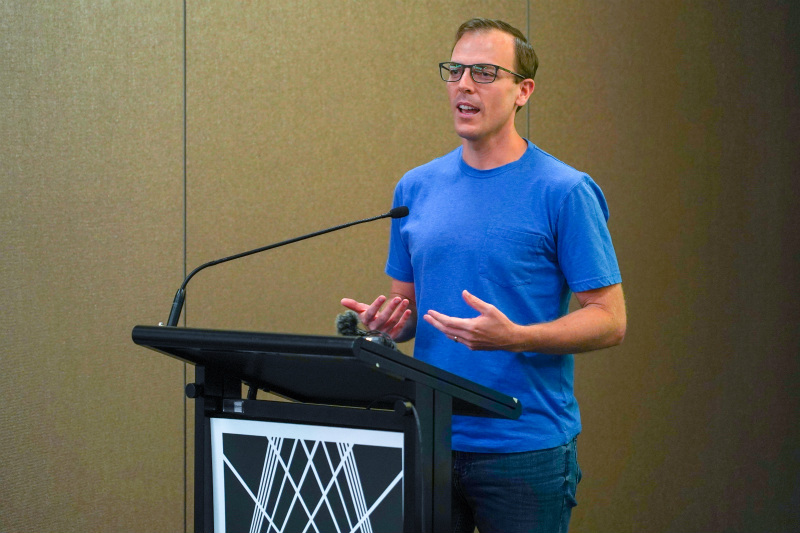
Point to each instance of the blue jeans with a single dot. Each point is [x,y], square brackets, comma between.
[515,492]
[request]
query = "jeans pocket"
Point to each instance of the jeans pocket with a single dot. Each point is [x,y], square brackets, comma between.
[573,473]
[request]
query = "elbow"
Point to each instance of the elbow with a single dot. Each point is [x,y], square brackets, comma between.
[615,329]
[618,332]
[618,338]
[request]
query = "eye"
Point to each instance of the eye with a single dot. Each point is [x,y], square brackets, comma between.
[451,71]
[484,72]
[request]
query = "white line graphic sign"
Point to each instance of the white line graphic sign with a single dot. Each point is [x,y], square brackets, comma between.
[273,477]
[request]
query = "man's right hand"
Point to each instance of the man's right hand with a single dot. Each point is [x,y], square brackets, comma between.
[397,316]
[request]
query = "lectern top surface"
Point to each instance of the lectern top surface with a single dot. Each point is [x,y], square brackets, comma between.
[340,370]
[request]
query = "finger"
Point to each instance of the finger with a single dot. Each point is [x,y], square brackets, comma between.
[400,324]
[399,308]
[430,319]
[438,321]
[448,321]
[452,333]
[369,314]
[387,312]
[382,319]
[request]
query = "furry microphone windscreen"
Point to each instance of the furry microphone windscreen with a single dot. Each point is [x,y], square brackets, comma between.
[347,324]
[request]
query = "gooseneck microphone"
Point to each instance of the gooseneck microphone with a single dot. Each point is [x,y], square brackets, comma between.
[180,296]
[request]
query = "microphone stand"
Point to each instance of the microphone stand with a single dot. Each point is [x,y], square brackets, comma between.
[180,296]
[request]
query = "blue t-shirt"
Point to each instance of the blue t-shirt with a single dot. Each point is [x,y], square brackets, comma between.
[520,237]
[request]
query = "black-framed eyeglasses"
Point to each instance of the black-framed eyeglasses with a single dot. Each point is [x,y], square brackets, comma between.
[480,72]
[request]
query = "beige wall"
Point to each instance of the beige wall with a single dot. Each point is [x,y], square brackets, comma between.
[300,115]
[90,181]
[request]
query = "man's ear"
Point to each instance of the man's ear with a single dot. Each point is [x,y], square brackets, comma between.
[526,88]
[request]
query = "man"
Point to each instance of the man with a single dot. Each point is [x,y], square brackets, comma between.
[499,235]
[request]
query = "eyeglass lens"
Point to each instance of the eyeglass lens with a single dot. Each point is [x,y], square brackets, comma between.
[480,73]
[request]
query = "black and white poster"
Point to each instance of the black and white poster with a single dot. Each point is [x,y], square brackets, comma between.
[272,477]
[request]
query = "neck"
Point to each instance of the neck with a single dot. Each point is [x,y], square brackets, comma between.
[486,154]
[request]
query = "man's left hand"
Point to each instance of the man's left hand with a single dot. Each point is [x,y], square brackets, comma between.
[491,330]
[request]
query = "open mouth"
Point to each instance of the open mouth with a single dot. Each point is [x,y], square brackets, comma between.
[467,109]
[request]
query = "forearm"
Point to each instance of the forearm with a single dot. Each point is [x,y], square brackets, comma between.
[586,329]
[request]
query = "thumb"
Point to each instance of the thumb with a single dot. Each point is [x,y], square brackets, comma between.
[354,305]
[475,302]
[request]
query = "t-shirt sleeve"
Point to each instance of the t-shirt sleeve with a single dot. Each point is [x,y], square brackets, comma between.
[585,252]
[398,263]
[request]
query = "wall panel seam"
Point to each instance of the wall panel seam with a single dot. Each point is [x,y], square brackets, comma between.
[183,275]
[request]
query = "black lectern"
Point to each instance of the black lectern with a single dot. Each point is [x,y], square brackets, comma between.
[364,446]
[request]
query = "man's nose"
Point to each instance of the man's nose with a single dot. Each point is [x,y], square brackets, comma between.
[466,83]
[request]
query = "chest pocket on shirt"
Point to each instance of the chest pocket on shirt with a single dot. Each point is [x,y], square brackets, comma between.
[511,257]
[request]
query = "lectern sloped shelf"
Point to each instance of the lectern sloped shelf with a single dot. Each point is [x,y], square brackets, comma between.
[339,385]
[348,371]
